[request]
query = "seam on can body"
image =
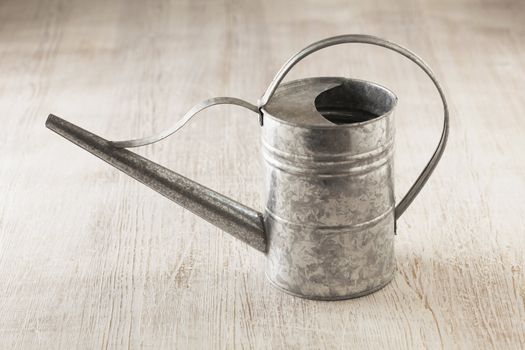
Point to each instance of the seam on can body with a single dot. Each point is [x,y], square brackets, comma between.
[353,227]
[330,169]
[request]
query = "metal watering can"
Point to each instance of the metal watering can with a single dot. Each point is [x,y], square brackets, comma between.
[330,217]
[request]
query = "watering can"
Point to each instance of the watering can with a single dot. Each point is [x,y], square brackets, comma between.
[329,219]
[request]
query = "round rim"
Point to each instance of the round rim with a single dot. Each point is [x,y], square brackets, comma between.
[336,126]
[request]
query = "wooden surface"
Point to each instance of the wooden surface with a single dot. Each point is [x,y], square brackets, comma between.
[89,258]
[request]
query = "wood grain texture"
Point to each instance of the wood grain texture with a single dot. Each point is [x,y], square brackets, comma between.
[92,259]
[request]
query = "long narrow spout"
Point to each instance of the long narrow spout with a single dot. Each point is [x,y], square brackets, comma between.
[239,220]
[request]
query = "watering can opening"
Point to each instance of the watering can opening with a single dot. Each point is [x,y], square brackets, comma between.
[353,102]
[329,103]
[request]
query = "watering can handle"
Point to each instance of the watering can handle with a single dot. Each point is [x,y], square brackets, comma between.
[372,40]
[336,40]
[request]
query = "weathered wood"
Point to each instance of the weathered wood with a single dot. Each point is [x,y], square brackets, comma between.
[89,258]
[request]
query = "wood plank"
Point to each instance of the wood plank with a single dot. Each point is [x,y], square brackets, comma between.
[91,259]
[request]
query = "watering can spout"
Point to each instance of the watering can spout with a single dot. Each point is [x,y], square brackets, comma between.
[238,220]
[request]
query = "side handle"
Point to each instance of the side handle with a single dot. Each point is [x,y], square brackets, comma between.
[186,118]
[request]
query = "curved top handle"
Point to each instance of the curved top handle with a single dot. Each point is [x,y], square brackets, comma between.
[372,40]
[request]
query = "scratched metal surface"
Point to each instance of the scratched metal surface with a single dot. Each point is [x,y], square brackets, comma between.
[329,207]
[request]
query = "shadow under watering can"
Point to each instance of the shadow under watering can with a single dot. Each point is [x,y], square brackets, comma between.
[328,224]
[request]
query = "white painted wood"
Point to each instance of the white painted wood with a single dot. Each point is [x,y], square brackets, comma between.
[91,259]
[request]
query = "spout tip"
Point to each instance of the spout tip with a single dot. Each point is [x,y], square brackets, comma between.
[51,120]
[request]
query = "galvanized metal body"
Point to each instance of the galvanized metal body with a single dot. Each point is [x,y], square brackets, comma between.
[329,219]
[329,208]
